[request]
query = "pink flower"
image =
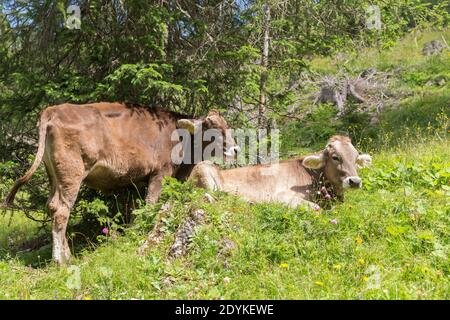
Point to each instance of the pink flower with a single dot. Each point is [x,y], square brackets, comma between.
[334,221]
[105,231]
[327,197]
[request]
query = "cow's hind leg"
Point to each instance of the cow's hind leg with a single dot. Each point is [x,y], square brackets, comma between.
[59,205]
[66,175]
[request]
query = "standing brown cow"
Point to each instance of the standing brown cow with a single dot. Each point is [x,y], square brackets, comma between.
[108,146]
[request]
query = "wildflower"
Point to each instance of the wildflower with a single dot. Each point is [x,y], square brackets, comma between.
[327,197]
[365,278]
[105,231]
[359,240]
[316,207]
[319,283]
[333,221]
[361,261]
[284,265]
[337,266]
[87,298]
[226,280]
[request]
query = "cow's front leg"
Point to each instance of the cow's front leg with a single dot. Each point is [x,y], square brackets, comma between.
[297,202]
[155,185]
[293,200]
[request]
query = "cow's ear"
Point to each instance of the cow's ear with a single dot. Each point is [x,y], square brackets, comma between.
[364,160]
[188,124]
[314,161]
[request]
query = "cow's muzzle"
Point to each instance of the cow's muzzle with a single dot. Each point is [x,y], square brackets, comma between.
[352,182]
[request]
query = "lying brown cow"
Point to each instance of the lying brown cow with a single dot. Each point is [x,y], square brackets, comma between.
[108,146]
[289,181]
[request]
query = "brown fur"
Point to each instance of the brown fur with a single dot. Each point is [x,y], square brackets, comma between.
[340,138]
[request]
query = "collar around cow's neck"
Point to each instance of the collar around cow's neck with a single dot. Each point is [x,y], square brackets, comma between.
[323,191]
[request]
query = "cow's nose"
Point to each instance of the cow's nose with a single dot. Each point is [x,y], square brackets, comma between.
[354,182]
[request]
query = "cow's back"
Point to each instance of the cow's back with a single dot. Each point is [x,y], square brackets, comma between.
[266,182]
[118,144]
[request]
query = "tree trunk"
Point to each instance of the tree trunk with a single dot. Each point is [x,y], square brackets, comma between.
[264,72]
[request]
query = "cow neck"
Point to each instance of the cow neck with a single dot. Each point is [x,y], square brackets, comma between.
[322,189]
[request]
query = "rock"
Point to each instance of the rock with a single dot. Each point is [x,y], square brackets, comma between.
[441,81]
[226,247]
[438,81]
[432,48]
[156,235]
[185,230]
[368,73]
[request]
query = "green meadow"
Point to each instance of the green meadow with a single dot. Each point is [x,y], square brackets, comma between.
[388,240]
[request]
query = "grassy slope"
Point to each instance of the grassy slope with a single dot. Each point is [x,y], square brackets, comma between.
[419,111]
[391,240]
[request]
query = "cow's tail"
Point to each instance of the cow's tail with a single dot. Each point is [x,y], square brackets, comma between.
[37,161]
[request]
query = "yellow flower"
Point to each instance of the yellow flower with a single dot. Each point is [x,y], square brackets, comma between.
[365,278]
[284,265]
[319,283]
[337,266]
[361,261]
[359,240]
[87,298]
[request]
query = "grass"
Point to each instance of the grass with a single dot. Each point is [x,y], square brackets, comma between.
[405,54]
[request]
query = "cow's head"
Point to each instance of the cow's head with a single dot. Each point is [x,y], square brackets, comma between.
[216,133]
[339,162]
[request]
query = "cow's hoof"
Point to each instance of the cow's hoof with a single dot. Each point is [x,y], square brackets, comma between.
[62,259]
[62,262]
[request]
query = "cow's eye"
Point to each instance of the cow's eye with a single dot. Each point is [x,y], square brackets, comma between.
[335,158]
